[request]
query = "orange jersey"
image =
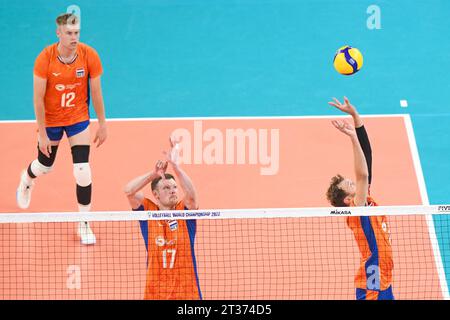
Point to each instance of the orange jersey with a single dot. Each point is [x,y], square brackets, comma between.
[374,243]
[67,94]
[171,272]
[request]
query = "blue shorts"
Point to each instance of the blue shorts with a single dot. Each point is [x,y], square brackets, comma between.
[361,294]
[56,133]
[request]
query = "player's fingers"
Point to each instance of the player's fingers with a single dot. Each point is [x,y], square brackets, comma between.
[339,125]
[44,150]
[333,104]
[337,101]
[338,122]
[346,100]
[162,173]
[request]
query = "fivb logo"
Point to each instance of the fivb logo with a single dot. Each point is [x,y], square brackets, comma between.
[444,208]
[234,146]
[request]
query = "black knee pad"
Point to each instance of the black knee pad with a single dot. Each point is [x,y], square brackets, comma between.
[80,154]
[48,162]
[44,160]
[84,194]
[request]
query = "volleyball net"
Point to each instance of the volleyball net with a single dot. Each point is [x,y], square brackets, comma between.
[287,253]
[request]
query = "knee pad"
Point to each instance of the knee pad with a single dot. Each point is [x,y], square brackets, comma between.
[84,195]
[80,154]
[42,165]
[82,174]
[36,169]
[48,162]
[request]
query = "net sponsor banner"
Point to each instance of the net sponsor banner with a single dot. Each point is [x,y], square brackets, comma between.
[224,214]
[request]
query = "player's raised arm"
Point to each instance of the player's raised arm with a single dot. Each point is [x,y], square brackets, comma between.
[134,186]
[361,171]
[361,132]
[190,195]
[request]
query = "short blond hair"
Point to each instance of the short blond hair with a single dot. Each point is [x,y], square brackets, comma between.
[67,19]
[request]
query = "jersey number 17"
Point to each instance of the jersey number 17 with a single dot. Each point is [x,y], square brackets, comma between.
[172,258]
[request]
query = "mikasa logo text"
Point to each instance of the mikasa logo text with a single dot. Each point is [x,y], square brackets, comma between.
[341,212]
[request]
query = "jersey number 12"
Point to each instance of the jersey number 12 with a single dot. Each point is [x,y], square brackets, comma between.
[66,99]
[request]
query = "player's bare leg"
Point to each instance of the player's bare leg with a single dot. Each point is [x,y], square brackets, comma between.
[80,146]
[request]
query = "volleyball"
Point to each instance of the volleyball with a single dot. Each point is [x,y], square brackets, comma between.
[348,60]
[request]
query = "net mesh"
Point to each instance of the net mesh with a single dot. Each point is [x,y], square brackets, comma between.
[262,257]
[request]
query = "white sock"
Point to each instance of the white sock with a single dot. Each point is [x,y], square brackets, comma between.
[26,177]
[84,208]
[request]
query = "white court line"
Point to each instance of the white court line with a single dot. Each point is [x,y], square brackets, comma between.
[425,201]
[229,118]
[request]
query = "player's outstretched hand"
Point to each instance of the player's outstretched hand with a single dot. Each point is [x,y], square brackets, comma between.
[100,135]
[344,127]
[160,168]
[346,107]
[173,156]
